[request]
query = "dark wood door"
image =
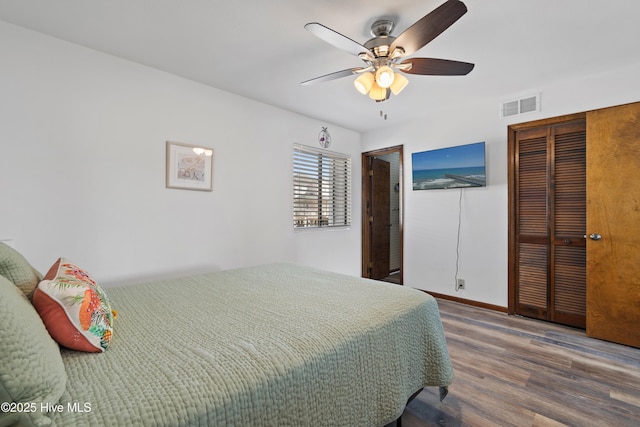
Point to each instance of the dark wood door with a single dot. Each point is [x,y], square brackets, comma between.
[380,218]
[548,221]
[369,248]
[613,260]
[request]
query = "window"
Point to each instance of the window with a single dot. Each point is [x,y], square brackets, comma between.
[321,188]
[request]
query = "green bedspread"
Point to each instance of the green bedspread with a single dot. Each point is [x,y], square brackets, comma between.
[274,345]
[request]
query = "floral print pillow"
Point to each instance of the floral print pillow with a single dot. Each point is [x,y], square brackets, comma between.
[74,308]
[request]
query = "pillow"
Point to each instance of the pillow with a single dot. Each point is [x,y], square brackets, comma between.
[75,310]
[31,368]
[17,269]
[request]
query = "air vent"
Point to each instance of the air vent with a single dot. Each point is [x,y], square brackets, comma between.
[525,104]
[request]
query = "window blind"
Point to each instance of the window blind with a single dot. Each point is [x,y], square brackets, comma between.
[321,188]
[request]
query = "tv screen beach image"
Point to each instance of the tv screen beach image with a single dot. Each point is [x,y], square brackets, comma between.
[452,167]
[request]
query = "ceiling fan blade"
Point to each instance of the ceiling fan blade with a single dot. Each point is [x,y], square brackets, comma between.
[333,76]
[336,39]
[429,27]
[437,67]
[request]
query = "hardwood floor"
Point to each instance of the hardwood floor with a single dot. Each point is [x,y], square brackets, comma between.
[514,371]
[392,278]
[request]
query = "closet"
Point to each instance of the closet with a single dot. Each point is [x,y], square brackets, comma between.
[574,221]
[549,219]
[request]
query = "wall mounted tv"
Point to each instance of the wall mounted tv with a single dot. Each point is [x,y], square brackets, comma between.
[461,166]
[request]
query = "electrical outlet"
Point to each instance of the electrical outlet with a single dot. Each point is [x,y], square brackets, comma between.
[460,283]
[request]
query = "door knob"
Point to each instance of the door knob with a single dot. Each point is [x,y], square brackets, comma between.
[595,236]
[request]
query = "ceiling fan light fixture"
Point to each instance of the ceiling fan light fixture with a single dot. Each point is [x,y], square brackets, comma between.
[378,93]
[364,83]
[399,83]
[384,76]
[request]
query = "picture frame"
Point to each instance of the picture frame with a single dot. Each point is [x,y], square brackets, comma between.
[189,167]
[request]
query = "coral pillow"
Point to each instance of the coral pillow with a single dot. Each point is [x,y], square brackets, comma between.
[74,308]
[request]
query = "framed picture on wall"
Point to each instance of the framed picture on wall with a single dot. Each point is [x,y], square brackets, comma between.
[451,167]
[189,167]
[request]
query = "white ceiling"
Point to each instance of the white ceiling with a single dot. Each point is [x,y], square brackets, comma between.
[260,49]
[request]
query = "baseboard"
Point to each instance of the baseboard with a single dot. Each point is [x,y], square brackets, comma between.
[468,302]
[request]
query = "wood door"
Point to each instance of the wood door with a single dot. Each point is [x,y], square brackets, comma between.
[569,224]
[530,223]
[613,206]
[547,278]
[368,248]
[380,218]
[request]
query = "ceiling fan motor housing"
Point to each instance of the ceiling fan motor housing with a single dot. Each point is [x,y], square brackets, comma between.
[380,45]
[382,39]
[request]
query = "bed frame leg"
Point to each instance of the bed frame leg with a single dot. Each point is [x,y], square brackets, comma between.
[413,396]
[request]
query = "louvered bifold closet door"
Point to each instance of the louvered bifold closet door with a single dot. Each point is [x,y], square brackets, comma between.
[550,226]
[532,228]
[568,283]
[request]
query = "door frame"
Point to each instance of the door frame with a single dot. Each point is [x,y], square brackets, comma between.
[366,201]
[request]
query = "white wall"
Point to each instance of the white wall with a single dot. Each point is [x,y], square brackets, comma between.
[431,217]
[82,169]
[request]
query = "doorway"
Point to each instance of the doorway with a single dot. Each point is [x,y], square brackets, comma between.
[382,206]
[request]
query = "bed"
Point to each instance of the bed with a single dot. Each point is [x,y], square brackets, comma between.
[270,345]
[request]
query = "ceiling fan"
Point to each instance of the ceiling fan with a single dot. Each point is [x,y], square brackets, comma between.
[384,55]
